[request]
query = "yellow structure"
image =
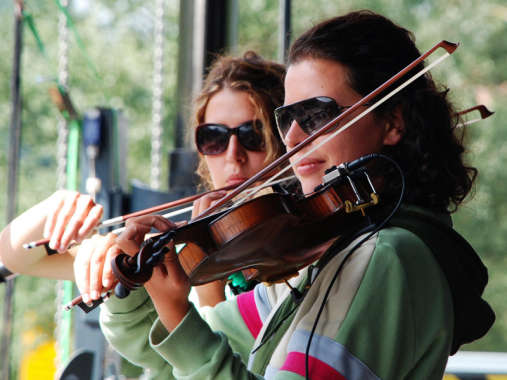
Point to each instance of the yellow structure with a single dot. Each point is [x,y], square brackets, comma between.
[39,364]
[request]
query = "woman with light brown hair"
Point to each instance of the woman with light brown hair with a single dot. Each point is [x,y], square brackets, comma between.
[235,130]
[235,135]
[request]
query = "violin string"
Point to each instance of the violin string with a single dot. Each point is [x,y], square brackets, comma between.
[256,189]
[358,117]
[249,193]
[168,215]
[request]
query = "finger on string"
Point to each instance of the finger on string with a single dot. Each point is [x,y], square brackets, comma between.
[159,270]
[195,208]
[131,238]
[134,234]
[204,202]
[62,219]
[83,205]
[136,229]
[172,264]
[169,258]
[92,219]
[156,221]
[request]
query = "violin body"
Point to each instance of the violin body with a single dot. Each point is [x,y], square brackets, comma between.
[272,235]
[291,232]
[269,238]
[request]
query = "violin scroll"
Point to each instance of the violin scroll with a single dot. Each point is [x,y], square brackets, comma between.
[133,271]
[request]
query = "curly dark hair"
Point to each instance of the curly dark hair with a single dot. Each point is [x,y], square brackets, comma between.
[373,49]
[262,80]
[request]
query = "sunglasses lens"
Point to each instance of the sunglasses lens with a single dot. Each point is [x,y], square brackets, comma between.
[322,113]
[311,114]
[283,117]
[212,139]
[250,135]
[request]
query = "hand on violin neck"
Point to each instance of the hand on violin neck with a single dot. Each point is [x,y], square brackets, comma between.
[169,288]
[136,229]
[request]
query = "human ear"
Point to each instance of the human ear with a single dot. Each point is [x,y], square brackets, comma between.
[394,128]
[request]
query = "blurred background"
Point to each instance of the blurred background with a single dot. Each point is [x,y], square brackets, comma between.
[112,47]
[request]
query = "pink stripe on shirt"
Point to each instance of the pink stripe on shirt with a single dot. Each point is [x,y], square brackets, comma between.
[248,310]
[295,363]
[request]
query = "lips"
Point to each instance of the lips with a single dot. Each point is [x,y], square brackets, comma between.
[235,179]
[310,166]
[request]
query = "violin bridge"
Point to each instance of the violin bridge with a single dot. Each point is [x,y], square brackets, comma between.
[350,207]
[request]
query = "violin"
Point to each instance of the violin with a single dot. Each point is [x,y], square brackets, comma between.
[269,238]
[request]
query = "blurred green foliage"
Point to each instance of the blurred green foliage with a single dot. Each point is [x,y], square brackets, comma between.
[118,36]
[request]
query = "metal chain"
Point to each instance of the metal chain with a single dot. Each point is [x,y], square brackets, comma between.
[63,76]
[63,133]
[158,61]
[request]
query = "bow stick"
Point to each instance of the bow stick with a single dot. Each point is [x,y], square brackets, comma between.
[448,46]
[483,112]
[165,206]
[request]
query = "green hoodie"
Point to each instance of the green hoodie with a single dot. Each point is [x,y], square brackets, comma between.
[389,315]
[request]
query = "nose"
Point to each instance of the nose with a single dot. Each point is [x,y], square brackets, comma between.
[235,151]
[294,135]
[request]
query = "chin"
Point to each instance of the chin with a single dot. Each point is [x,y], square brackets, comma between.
[309,186]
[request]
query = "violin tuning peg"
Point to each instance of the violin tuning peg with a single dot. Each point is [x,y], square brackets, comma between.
[121,291]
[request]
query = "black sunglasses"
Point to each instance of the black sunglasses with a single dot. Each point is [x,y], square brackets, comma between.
[311,114]
[214,138]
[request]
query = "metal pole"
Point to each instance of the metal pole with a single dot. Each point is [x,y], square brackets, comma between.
[285,31]
[12,182]
[63,288]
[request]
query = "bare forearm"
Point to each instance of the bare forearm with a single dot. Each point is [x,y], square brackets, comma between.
[212,293]
[29,227]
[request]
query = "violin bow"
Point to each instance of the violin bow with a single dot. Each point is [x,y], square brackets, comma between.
[484,113]
[449,48]
[154,209]
[78,301]
[123,218]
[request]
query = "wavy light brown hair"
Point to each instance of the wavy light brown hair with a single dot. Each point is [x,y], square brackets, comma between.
[262,80]
[373,49]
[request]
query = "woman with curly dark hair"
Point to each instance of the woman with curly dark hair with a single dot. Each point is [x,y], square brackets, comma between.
[428,150]
[389,300]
